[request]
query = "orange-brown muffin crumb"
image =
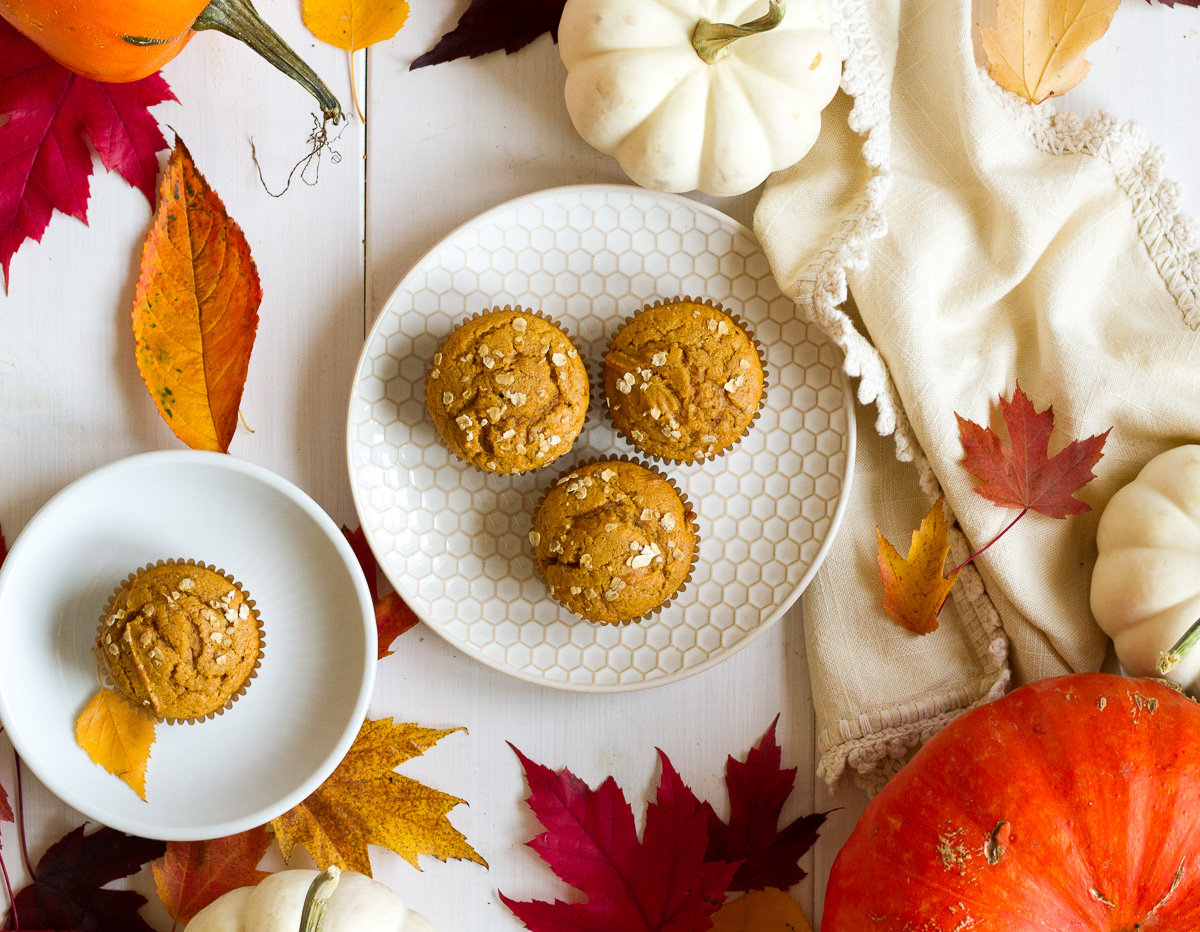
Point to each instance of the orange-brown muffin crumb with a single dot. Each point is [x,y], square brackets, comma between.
[508,392]
[614,541]
[179,640]
[683,381]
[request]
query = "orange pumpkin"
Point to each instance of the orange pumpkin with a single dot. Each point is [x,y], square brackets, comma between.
[125,40]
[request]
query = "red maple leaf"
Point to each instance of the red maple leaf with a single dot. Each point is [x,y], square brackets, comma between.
[66,890]
[193,874]
[491,25]
[660,884]
[392,615]
[1023,475]
[6,813]
[758,790]
[44,159]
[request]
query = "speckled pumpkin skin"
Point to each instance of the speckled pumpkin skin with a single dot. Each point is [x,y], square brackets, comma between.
[1072,803]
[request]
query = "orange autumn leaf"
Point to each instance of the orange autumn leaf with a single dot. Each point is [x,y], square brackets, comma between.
[914,587]
[117,736]
[195,310]
[193,874]
[364,802]
[392,618]
[767,910]
[1036,48]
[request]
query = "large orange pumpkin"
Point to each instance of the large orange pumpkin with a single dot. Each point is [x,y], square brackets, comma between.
[125,40]
[1070,804]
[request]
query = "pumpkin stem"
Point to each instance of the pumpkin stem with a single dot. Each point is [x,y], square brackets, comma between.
[239,19]
[316,901]
[712,40]
[1172,658]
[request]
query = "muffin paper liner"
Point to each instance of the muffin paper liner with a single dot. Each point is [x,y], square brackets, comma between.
[687,505]
[108,607]
[602,395]
[516,308]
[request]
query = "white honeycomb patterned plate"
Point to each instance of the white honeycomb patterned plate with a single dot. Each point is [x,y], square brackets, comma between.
[453,540]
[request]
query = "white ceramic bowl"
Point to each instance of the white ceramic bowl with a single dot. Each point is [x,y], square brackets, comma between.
[298,717]
[454,540]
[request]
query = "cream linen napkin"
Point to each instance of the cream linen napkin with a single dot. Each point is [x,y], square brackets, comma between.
[984,241]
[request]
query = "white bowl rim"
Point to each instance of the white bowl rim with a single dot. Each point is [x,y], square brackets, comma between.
[169,459]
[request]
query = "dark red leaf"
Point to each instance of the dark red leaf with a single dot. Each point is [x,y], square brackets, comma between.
[758,790]
[660,884]
[491,25]
[3,548]
[1024,475]
[45,163]
[66,894]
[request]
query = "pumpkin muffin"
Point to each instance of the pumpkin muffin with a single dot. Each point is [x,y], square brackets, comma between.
[613,540]
[508,392]
[180,640]
[683,381]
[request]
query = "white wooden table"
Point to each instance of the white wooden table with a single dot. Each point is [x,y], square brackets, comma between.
[440,146]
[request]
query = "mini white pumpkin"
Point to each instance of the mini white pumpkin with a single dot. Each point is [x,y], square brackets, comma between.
[686,98]
[305,901]
[1146,584]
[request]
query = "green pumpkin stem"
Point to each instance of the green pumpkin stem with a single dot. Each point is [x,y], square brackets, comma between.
[1172,658]
[712,40]
[316,901]
[239,19]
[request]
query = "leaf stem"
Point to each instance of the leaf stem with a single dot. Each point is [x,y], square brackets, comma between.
[21,821]
[1172,658]
[12,901]
[984,548]
[354,86]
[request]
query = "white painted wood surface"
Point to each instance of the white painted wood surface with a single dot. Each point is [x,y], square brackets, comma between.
[440,146]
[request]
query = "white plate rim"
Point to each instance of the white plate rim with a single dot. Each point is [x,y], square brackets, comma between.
[167,459]
[685,672]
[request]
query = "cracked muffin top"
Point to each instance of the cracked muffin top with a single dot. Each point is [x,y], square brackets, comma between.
[508,392]
[613,540]
[683,381]
[179,640]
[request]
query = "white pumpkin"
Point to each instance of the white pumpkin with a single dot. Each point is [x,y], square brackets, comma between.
[686,98]
[352,903]
[1146,584]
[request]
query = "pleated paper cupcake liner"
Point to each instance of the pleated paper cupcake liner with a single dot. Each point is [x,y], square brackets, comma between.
[110,681]
[687,508]
[601,392]
[450,442]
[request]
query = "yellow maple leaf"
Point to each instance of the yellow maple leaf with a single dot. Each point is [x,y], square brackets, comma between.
[117,736]
[1036,48]
[914,587]
[767,910]
[354,24]
[364,802]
